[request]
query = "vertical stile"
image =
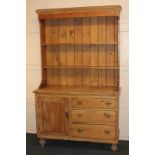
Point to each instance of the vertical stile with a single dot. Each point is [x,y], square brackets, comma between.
[116,40]
[48,51]
[63,51]
[94,50]
[111,55]
[118,59]
[78,51]
[110,29]
[48,63]
[110,39]
[49,56]
[45,126]
[55,31]
[48,31]
[70,51]
[102,49]
[51,73]
[118,50]
[55,51]
[110,50]
[110,62]
[43,51]
[51,50]
[86,50]
[110,77]
[106,51]
[116,77]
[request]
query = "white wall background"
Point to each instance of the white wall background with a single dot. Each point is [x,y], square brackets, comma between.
[33,56]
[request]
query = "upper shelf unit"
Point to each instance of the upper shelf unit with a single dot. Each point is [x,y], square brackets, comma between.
[80,46]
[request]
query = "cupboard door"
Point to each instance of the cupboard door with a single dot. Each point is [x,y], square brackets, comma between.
[52,116]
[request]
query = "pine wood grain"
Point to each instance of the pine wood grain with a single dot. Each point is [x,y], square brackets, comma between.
[43,53]
[51,115]
[102,49]
[94,103]
[78,98]
[78,50]
[63,52]
[55,52]
[93,131]
[70,51]
[111,10]
[94,50]
[93,116]
[86,51]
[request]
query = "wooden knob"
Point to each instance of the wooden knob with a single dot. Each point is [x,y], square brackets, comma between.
[107,132]
[79,115]
[108,103]
[102,101]
[66,114]
[79,102]
[107,115]
[80,130]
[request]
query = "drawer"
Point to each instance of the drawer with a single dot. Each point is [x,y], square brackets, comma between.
[93,131]
[93,103]
[93,116]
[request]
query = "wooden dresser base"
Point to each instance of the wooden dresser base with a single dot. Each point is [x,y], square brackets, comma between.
[92,118]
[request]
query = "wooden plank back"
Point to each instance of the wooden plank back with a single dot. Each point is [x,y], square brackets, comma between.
[81,42]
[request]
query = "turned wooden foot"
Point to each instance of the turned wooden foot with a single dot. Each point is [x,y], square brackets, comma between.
[42,142]
[114,148]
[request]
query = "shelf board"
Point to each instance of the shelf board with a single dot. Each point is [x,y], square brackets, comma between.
[79,90]
[54,44]
[81,67]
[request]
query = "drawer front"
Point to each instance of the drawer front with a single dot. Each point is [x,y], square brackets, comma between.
[93,116]
[94,131]
[93,103]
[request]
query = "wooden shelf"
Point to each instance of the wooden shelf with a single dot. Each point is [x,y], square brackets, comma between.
[80,51]
[79,90]
[54,44]
[81,67]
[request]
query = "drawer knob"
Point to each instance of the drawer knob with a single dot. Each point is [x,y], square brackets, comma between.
[102,101]
[80,130]
[79,102]
[66,114]
[108,103]
[107,132]
[107,115]
[79,115]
